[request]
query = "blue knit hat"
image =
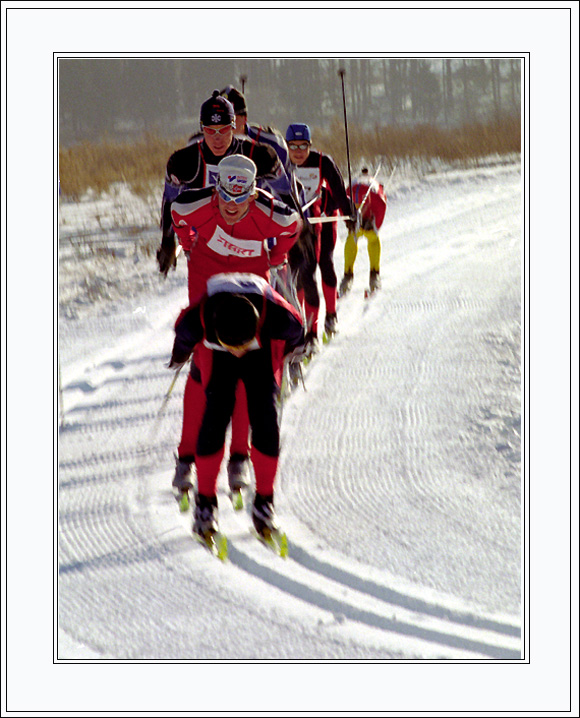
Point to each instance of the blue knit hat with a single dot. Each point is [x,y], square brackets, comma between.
[298,131]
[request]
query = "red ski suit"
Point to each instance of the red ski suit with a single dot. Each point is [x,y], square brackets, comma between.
[261,239]
[375,204]
[321,178]
[279,324]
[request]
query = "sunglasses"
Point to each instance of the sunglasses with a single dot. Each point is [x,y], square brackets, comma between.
[301,146]
[238,199]
[217,130]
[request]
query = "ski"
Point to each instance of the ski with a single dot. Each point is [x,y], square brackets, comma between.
[237,499]
[328,337]
[183,500]
[276,541]
[215,543]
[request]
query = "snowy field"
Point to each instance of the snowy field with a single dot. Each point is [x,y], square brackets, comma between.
[400,478]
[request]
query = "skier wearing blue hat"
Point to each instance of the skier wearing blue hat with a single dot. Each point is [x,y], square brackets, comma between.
[323,183]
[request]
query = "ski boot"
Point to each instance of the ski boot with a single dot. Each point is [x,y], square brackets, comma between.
[310,346]
[264,516]
[345,284]
[238,478]
[295,374]
[205,523]
[182,482]
[330,326]
[374,281]
[205,526]
[266,525]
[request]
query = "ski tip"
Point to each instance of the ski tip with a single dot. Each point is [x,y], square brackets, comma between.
[276,541]
[216,544]
[237,499]
[283,544]
[183,501]
[221,544]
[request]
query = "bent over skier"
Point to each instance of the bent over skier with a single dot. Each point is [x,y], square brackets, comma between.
[233,327]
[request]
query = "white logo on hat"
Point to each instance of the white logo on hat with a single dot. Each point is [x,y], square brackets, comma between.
[216,118]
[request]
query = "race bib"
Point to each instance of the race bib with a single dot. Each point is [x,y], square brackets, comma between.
[310,178]
[224,244]
[211,176]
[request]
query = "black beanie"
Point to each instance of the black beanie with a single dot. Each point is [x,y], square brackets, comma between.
[236,98]
[235,319]
[217,111]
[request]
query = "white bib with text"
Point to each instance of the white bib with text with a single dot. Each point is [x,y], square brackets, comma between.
[224,244]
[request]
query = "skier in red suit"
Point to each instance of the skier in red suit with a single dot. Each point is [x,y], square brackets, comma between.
[195,166]
[234,327]
[371,202]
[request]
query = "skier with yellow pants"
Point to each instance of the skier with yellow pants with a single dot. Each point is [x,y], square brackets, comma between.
[370,199]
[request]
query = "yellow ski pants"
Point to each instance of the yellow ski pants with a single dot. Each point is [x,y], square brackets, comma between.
[351,249]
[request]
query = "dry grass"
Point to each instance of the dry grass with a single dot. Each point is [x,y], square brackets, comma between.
[141,163]
[98,166]
[395,144]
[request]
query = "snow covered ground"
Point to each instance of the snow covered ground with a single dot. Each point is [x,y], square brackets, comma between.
[400,479]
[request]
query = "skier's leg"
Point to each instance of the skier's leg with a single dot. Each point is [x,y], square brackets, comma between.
[374,250]
[238,464]
[219,376]
[261,389]
[328,235]
[308,289]
[350,252]
[193,408]
[240,423]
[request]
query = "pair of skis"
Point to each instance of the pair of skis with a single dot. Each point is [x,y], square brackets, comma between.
[217,543]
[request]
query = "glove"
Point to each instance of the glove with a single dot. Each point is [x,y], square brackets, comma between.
[351,225]
[166,258]
[297,355]
[177,365]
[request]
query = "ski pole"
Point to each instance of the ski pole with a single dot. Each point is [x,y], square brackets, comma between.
[156,424]
[390,178]
[333,218]
[168,394]
[342,72]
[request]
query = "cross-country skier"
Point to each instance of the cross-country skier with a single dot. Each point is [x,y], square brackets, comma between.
[321,179]
[195,166]
[234,328]
[267,135]
[372,215]
[232,227]
[303,251]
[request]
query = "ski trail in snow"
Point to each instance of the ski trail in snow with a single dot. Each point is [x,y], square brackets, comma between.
[399,478]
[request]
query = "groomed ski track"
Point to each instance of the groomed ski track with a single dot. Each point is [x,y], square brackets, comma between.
[399,483]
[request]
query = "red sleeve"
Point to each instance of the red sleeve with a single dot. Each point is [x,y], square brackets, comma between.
[379,206]
[282,230]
